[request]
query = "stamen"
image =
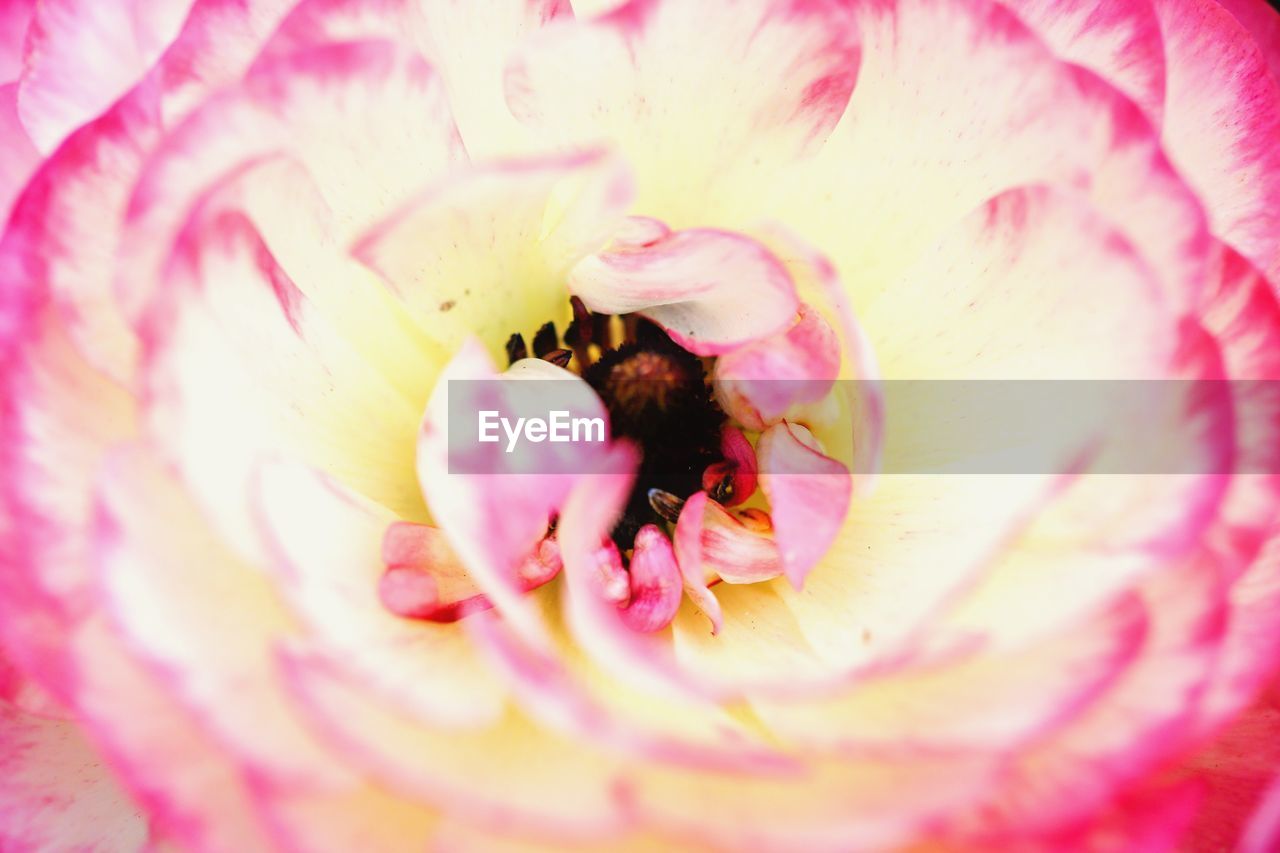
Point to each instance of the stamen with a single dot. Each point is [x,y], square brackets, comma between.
[516,349]
[544,341]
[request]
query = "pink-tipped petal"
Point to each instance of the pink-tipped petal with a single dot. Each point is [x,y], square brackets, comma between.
[1222,116]
[713,291]
[808,493]
[655,582]
[688,548]
[82,56]
[757,384]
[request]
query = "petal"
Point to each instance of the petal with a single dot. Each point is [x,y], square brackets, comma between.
[808,494]
[205,623]
[983,703]
[18,157]
[688,548]
[469,43]
[757,384]
[696,131]
[241,366]
[486,251]
[328,547]
[1121,42]
[81,56]
[15,17]
[712,291]
[494,506]
[655,582]
[424,579]
[57,792]
[1222,111]
[1263,23]
[734,552]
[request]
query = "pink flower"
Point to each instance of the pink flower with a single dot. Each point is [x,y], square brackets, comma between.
[259,254]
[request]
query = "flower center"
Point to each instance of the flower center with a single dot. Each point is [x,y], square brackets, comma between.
[657,395]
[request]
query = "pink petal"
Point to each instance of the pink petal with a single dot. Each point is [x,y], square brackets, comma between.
[808,493]
[733,481]
[492,506]
[1263,23]
[1121,42]
[655,582]
[15,16]
[688,548]
[57,791]
[18,157]
[737,549]
[1222,113]
[712,291]
[424,579]
[82,56]
[757,384]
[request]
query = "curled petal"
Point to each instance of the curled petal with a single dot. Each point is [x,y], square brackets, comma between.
[424,578]
[732,481]
[655,582]
[757,384]
[688,548]
[808,493]
[736,551]
[614,580]
[712,291]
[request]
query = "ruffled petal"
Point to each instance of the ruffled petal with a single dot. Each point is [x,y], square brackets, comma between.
[81,56]
[1222,115]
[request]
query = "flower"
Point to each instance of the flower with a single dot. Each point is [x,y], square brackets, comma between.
[252,599]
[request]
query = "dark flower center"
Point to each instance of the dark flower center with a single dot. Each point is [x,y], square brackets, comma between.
[657,395]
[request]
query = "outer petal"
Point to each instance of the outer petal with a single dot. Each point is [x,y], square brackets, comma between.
[1222,115]
[470,42]
[56,792]
[695,129]
[1121,42]
[18,157]
[82,55]
[1263,23]
[203,622]
[241,366]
